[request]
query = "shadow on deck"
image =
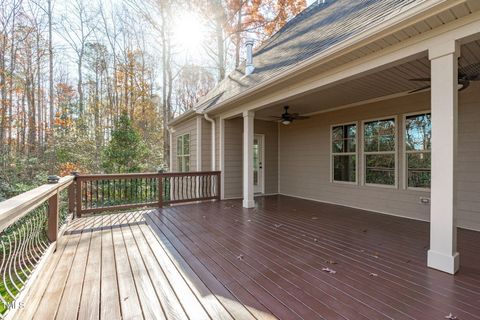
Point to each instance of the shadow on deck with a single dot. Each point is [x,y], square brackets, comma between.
[288,258]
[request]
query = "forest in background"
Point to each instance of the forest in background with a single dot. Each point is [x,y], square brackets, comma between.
[74,74]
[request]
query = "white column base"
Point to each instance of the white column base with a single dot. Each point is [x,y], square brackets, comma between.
[443,262]
[248,203]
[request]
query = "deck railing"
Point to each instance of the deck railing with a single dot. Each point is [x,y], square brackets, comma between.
[103,192]
[30,224]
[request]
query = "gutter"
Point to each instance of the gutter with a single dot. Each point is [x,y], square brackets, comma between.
[416,13]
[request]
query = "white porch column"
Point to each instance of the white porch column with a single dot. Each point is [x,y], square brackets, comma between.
[443,253]
[199,143]
[248,132]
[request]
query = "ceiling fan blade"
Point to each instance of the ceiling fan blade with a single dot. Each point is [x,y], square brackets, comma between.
[421,79]
[420,89]
[301,117]
[465,85]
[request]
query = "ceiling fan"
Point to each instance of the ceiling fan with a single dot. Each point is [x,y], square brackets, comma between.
[465,76]
[287,118]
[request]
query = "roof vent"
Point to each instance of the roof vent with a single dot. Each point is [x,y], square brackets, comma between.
[249,67]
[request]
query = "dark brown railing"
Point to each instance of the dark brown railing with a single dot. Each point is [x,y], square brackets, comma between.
[104,192]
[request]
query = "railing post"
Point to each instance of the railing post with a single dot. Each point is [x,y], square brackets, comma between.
[160,188]
[78,195]
[219,186]
[52,231]
[71,199]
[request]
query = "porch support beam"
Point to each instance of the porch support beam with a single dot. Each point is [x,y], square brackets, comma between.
[443,253]
[199,143]
[248,133]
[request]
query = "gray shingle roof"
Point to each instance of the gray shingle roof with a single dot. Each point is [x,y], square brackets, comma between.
[318,28]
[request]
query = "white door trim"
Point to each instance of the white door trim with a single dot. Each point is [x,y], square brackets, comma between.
[261,138]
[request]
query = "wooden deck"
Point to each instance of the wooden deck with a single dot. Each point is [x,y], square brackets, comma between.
[218,261]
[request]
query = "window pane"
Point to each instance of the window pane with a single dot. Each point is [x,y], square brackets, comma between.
[179,145]
[371,144]
[351,131]
[343,138]
[344,168]
[337,133]
[418,132]
[337,146]
[380,169]
[379,135]
[186,144]
[386,143]
[186,160]
[351,145]
[419,170]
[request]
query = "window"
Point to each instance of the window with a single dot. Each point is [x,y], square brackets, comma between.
[380,152]
[418,137]
[183,153]
[344,153]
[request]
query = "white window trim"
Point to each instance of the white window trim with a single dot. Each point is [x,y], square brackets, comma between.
[332,154]
[181,137]
[405,152]
[364,154]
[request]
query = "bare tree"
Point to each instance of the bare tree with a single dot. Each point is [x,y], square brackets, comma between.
[76,28]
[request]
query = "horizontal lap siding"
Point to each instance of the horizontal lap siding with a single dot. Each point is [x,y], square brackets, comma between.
[233,158]
[190,127]
[270,163]
[305,160]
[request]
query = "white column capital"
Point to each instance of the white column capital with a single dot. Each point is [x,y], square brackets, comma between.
[248,113]
[443,49]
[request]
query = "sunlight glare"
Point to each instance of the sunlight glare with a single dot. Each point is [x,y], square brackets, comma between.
[189,31]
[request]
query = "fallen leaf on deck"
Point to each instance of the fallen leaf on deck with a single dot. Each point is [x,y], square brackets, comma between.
[240,257]
[408,261]
[278,225]
[315,239]
[329,270]
[373,274]
[249,220]
[330,262]
[451,316]
[376,255]
[361,250]
[125,299]
[314,218]
[364,230]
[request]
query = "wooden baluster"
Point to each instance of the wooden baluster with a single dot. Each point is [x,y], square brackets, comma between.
[78,194]
[160,190]
[97,201]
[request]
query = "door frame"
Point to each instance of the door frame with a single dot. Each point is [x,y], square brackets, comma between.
[261,136]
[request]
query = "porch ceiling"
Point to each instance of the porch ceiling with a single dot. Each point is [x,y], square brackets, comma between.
[383,83]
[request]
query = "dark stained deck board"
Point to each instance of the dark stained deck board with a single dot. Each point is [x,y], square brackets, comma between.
[226,240]
[182,262]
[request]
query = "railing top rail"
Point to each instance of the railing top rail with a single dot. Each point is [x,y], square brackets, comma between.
[15,208]
[116,176]
[143,175]
[190,173]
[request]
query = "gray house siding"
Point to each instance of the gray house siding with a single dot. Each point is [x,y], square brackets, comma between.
[305,160]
